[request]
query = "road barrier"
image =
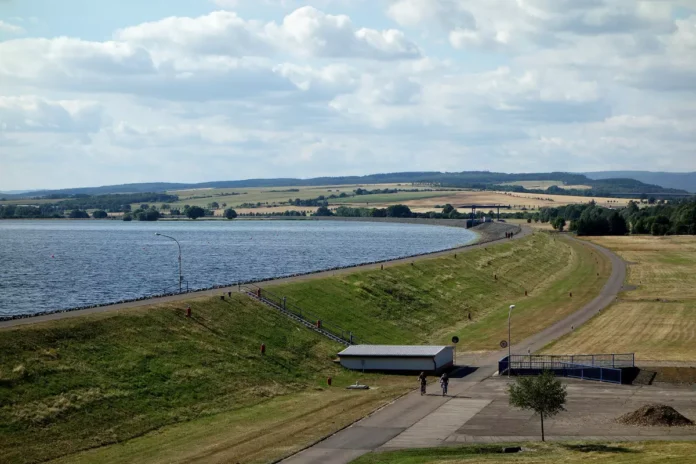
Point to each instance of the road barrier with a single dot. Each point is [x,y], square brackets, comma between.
[600,367]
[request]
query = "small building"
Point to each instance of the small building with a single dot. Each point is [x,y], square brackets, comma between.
[397,358]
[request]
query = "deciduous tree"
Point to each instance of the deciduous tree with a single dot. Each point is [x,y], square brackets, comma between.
[543,394]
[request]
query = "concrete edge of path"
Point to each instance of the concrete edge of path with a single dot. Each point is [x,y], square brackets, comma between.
[7,324]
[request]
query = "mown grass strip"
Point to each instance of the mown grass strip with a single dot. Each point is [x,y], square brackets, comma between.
[538,453]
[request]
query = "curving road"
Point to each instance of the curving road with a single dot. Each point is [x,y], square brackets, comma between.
[413,420]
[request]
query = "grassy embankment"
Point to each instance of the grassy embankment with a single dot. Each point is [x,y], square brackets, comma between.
[570,453]
[97,380]
[432,299]
[158,387]
[656,320]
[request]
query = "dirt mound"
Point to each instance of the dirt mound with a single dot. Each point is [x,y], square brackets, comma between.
[655,414]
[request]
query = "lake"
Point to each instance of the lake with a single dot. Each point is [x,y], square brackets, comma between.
[62,264]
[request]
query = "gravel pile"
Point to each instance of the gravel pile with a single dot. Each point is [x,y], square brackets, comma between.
[655,415]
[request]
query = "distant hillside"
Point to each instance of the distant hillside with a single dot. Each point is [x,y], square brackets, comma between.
[466,179]
[676,180]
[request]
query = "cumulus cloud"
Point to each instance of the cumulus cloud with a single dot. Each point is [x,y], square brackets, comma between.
[10,28]
[306,32]
[35,114]
[531,23]
[529,85]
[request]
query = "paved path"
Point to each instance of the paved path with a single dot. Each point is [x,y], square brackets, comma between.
[415,421]
[208,293]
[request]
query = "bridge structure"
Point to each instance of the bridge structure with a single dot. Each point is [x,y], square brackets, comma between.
[487,207]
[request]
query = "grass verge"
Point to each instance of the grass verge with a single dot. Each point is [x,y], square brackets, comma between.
[569,453]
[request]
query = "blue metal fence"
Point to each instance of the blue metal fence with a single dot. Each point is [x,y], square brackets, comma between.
[600,367]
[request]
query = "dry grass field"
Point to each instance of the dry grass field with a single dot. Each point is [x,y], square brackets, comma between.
[544,184]
[656,320]
[517,201]
[273,195]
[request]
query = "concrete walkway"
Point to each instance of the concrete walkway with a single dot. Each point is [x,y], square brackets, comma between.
[416,421]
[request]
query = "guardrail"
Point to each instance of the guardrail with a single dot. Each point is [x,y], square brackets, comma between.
[600,367]
[307,316]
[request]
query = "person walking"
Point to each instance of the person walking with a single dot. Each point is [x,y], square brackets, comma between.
[444,382]
[423,382]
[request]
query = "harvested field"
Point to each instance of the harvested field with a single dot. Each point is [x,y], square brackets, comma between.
[655,415]
[544,184]
[234,197]
[517,201]
[657,319]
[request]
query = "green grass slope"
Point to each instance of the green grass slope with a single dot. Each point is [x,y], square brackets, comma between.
[431,300]
[80,383]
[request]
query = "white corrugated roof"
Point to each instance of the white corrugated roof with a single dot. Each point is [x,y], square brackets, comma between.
[391,350]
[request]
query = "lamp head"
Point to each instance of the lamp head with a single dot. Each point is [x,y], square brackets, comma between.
[512,306]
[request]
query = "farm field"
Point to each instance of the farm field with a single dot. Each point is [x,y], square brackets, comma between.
[272,198]
[423,201]
[151,383]
[517,201]
[539,453]
[25,202]
[544,184]
[271,195]
[391,198]
[656,320]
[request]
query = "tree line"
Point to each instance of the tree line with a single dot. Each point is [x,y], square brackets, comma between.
[115,203]
[676,217]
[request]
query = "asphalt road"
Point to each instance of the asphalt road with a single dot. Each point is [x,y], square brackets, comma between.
[208,293]
[423,421]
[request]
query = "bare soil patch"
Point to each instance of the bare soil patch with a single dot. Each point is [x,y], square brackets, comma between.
[652,415]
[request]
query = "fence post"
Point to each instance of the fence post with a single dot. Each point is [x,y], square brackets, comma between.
[613,360]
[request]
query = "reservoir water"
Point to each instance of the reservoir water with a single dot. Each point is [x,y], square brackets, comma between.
[62,264]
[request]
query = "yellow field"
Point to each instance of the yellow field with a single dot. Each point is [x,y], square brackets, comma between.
[271,195]
[544,184]
[656,320]
[517,201]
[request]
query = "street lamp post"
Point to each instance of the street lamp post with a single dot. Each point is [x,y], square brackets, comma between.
[509,341]
[181,278]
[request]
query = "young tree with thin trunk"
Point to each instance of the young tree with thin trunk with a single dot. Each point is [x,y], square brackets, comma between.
[543,394]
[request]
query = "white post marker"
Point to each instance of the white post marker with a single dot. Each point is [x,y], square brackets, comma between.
[509,341]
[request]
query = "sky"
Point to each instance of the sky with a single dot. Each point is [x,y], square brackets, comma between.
[98,93]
